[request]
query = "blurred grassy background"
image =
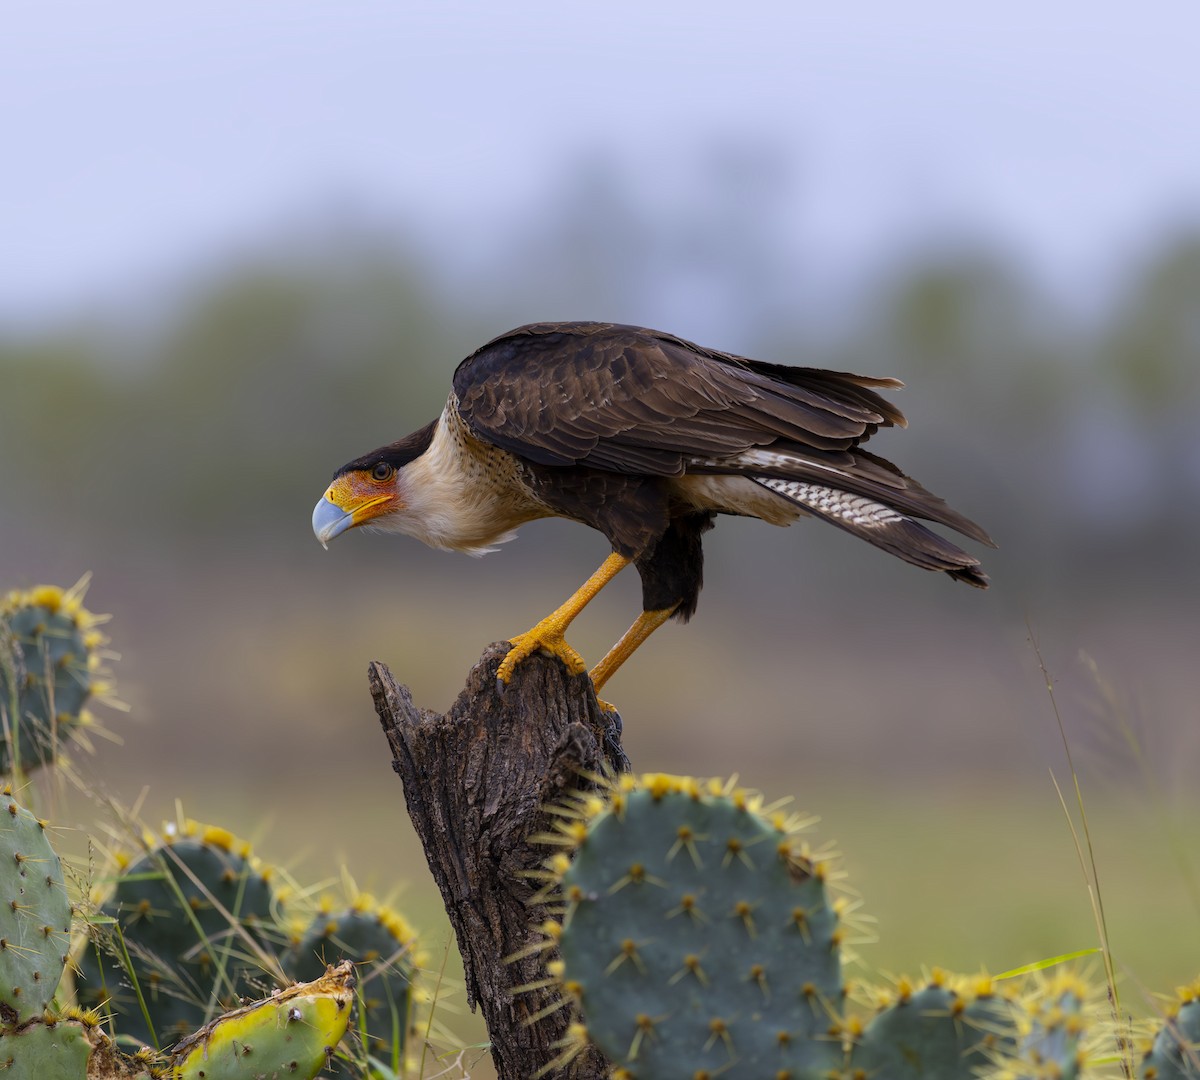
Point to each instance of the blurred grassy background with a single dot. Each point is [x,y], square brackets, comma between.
[173,438]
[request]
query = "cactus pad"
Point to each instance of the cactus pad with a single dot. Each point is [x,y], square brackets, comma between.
[698,939]
[380,944]
[51,665]
[1175,1052]
[291,1034]
[1054,1030]
[938,1032]
[54,1050]
[190,912]
[35,914]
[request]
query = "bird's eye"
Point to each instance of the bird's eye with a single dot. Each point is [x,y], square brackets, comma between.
[381,472]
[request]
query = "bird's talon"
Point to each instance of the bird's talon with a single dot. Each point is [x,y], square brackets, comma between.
[607,706]
[548,641]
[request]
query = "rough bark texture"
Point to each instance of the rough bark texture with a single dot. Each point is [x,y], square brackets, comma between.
[475,781]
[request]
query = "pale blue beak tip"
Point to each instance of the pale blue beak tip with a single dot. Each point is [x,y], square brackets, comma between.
[329,520]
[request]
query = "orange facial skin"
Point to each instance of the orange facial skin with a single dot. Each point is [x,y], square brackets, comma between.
[354,498]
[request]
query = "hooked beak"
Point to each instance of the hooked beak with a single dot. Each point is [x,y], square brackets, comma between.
[330,520]
[345,505]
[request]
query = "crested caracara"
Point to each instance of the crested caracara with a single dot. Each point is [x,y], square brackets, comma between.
[646,438]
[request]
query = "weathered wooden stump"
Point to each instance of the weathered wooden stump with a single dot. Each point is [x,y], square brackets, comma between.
[475,781]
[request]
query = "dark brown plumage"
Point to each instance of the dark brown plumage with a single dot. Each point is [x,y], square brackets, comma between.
[646,438]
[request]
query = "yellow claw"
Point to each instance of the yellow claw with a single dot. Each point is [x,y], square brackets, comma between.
[545,637]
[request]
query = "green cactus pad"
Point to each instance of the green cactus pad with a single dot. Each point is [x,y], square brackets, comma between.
[1175,1052]
[1054,1031]
[292,1034]
[938,1032]
[35,915]
[55,1050]
[51,666]
[699,939]
[380,944]
[186,958]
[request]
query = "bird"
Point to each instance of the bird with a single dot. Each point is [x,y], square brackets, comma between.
[647,438]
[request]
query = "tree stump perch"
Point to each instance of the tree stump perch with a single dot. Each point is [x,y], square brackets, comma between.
[475,782]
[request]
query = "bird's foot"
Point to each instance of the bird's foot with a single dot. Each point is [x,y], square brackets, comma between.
[607,706]
[546,637]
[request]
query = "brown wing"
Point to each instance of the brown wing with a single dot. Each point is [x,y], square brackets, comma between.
[631,400]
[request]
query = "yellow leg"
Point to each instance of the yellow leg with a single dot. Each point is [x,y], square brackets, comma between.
[647,622]
[548,634]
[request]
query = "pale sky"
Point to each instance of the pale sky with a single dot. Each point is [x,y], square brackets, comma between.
[140,137]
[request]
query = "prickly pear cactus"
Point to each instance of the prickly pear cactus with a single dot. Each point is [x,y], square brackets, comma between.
[35,914]
[52,1050]
[291,1034]
[1175,1052]
[380,943]
[1054,1030]
[699,938]
[51,665]
[941,1031]
[191,916]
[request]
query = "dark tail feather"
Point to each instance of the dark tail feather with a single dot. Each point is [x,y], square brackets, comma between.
[972,575]
[921,502]
[881,525]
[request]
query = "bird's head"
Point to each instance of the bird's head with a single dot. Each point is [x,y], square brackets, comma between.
[357,496]
[370,490]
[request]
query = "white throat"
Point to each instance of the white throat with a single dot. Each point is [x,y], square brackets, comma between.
[461,494]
